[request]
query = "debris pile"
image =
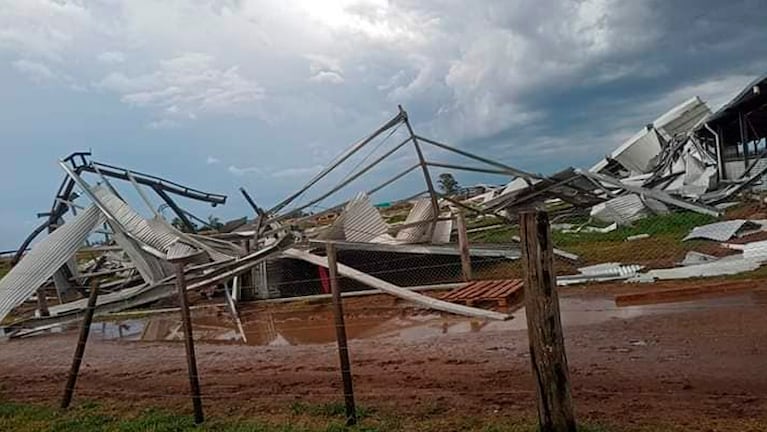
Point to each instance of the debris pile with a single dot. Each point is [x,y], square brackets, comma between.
[689,159]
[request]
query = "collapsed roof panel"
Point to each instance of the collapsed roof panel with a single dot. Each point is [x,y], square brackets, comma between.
[45,259]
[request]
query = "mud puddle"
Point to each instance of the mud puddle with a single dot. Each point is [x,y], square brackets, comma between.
[315,325]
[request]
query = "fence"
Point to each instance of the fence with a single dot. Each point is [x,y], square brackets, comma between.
[653,242]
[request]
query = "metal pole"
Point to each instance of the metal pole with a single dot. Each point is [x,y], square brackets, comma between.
[176,209]
[346,155]
[425,169]
[191,361]
[343,350]
[77,360]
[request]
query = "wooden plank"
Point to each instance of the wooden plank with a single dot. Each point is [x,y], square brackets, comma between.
[395,290]
[547,347]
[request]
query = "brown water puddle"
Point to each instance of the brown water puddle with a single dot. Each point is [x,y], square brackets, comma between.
[315,325]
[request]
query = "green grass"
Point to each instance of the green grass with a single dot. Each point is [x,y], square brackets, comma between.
[302,417]
[663,248]
[675,225]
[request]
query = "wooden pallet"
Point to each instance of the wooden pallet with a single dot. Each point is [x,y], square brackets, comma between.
[504,292]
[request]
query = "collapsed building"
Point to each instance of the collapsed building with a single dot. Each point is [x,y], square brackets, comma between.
[687,159]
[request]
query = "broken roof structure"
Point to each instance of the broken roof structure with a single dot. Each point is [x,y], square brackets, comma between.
[687,159]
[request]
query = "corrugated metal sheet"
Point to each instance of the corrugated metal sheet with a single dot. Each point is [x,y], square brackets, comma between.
[724,266]
[421,211]
[755,251]
[682,118]
[638,152]
[182,251]
[610,269]
[135,225]
[624,209]
[719,231]
[442,232]
[151,268]
[359,222]
[46,258]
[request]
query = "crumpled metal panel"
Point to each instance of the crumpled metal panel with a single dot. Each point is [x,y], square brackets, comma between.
[421,211]
[182,251]
[625,209]
[135,225]
[721,267]
[682,118]
[151,268]
[719,231]
[45,258]
[610,269]
[755,251]
[360,222]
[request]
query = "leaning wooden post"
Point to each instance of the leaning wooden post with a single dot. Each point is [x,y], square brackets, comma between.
[544,326]
[191,360]
[343,350]
[85,329]
[463,245]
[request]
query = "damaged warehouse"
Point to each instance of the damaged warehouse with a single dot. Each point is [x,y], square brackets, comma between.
[688,161]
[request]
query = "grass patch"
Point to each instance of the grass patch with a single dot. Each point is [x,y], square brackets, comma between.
[332,409]
[303,417]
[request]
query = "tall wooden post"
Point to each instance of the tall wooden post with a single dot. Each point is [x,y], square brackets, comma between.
[544,326]
[343,350]
[85,329]
[463,246]
[191,360]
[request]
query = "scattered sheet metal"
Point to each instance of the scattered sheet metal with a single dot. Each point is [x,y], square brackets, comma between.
[626,209]
[756,251]
[655,194]
[722,267]
[46,258]
[721,231]
[600,273]
[695,258]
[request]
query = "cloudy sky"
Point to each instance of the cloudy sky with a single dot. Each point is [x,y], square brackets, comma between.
[219,94]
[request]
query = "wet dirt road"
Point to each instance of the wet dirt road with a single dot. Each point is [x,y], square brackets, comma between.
[694,363]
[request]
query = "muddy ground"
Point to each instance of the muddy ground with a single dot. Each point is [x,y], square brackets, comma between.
[699,365]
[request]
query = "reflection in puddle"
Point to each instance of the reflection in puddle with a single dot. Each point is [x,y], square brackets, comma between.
[315,325]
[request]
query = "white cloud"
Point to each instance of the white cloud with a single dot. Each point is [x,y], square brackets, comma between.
[327,77]
[35,71]
[296,172]
[186,86]
[241,171]
[212,160]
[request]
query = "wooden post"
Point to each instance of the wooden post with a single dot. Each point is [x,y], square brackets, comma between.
[42,303]
[544,326]
[85,328]
[463,245]
[191,361]
[343,350]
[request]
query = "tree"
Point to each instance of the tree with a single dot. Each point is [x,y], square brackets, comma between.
[447,183]
[215,222]
[179,225]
